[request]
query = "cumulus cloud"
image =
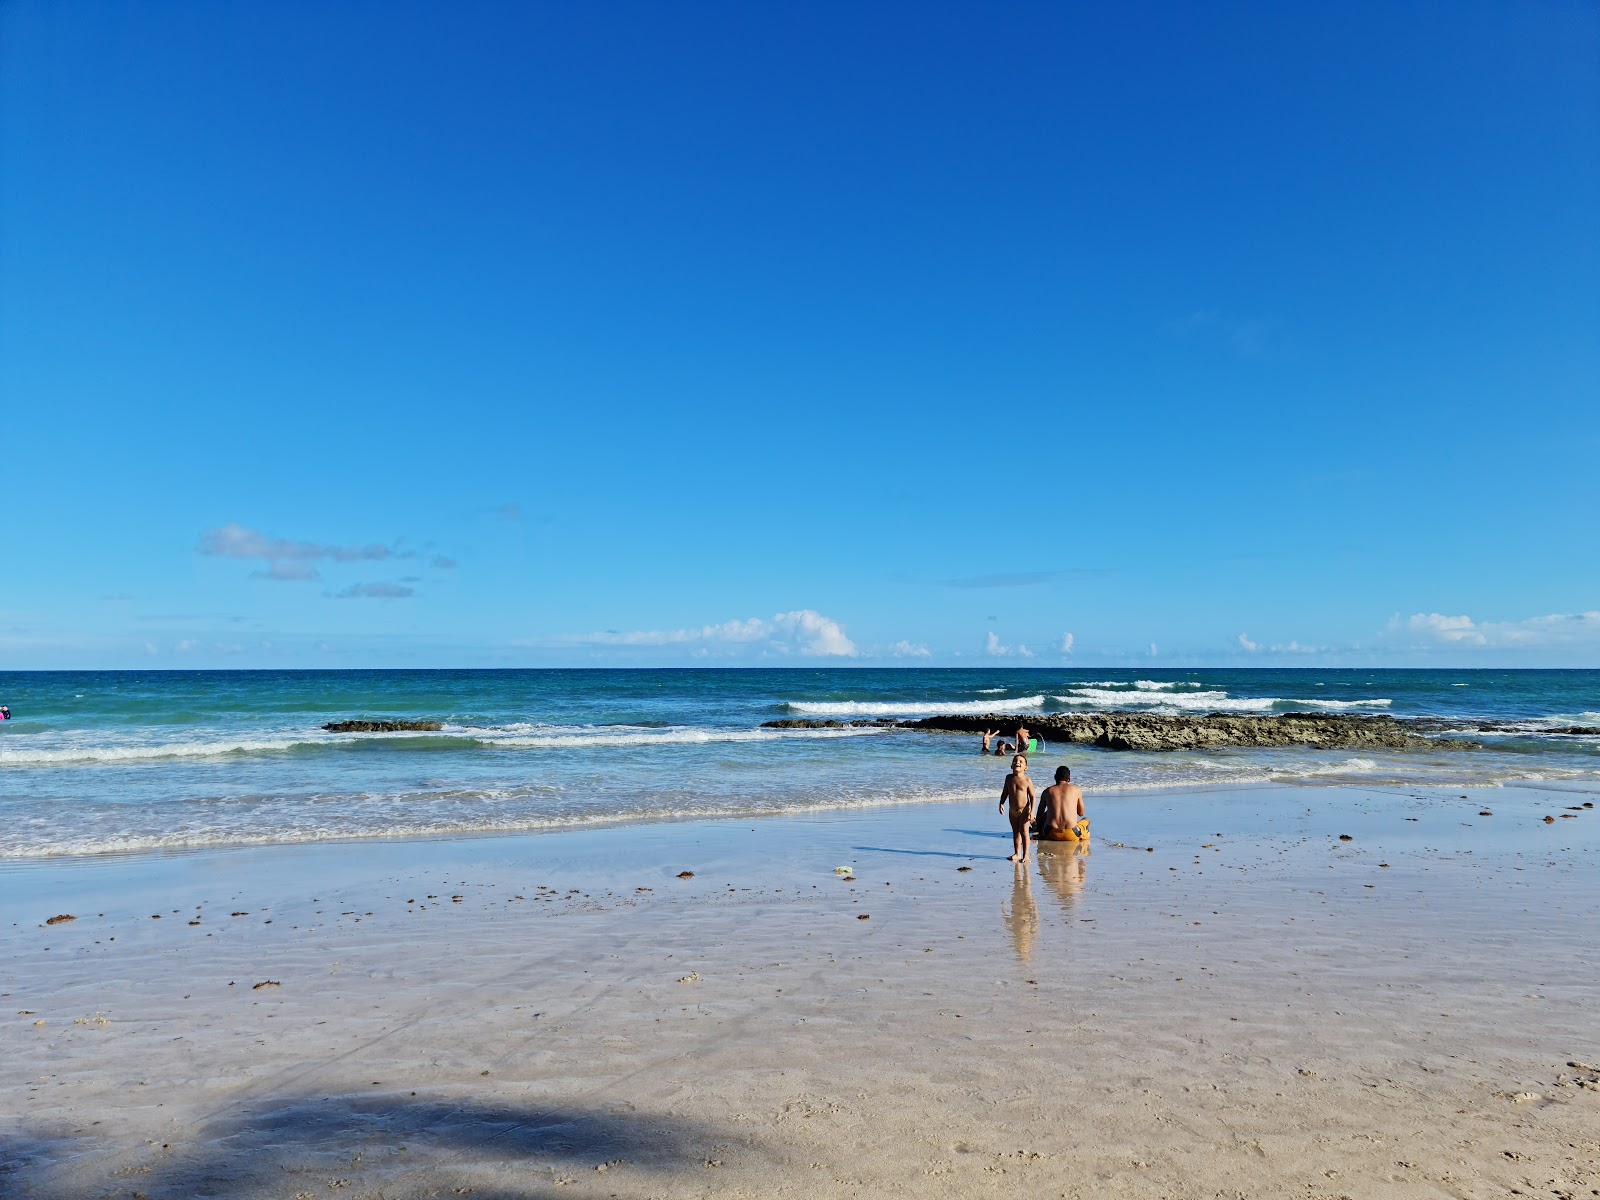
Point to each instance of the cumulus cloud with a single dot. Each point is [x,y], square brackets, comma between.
[1246,644]
[993,647]
[288,560]
[1066,643]
[804,632]
[376,591]
[1533,633]
[905,649]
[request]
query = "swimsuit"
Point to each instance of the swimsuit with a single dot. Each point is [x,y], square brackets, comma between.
[1078,831]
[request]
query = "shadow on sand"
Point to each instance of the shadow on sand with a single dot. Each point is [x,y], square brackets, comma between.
[398,1149]
[929,853]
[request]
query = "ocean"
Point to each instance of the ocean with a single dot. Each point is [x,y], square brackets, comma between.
[129,762]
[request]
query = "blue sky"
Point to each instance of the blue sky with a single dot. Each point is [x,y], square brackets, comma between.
[390,334]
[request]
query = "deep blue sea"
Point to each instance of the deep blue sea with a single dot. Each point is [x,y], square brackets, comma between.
[127,761]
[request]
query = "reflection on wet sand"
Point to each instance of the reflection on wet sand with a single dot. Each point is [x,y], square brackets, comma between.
[1021,915]
[1064,866]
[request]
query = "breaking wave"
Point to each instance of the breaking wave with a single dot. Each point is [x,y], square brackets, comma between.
[900,708]
[452,738]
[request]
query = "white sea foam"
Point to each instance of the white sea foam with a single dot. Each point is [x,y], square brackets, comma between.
[1339,705]
[990,691]
[896,708]
[1207,701]
[461,737]
[670,737]
[135,752]
[401,817]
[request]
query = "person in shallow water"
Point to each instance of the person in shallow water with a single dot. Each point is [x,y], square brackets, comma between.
[1061,817]
[5,712]
[1022,739]
[1018,791]
[987,734]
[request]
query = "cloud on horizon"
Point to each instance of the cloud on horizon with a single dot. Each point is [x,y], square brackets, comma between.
[805,632]
[994,649]
[1554,631]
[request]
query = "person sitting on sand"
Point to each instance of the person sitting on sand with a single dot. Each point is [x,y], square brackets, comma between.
[1061,816]
[1018,791]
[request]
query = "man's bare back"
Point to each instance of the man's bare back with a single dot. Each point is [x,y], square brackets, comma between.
[1060,809]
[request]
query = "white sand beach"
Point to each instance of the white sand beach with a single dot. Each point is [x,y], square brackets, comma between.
[1222,998]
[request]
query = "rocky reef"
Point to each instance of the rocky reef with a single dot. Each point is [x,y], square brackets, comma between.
[1153,731]
[383,726]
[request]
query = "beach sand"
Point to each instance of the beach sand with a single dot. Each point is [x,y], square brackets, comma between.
[1222,998]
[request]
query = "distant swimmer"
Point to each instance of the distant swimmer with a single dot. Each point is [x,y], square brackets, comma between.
[1018,791]
[5,712]
[1061,817]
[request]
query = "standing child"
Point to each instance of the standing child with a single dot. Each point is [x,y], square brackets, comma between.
[1018,790]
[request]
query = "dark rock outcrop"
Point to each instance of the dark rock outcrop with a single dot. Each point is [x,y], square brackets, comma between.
[383,726]
[1153,731]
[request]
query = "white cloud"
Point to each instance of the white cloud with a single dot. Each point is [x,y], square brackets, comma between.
[905,649]
[994,649]
[1153,650]
[1246,644]
[804,632]
[1556,630]
[1066,643]
[185,646]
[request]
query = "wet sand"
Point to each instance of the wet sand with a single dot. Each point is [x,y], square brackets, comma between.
[1222,997]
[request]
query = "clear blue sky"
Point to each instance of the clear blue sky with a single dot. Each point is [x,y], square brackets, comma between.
[387,334]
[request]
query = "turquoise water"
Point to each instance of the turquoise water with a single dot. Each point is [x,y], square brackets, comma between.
[123,761]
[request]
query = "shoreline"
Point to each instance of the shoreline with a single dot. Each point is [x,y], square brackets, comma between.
[23,863]
[1251,1004]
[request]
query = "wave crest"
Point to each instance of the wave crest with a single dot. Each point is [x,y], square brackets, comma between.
[900,708]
